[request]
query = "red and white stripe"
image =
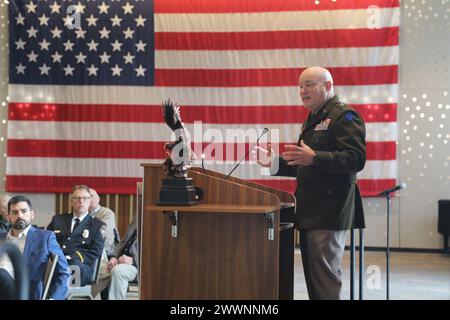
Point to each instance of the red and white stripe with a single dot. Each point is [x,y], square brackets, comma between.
[232,65]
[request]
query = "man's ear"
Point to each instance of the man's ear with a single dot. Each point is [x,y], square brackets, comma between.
[328,85]
[31,214]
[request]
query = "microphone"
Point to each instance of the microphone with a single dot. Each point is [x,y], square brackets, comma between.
[396,188]
[203,164]
[265,130]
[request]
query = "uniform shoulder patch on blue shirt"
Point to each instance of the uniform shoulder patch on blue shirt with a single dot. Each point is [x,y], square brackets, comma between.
[350,116]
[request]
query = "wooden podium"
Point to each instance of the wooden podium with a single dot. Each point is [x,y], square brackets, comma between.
[225,247]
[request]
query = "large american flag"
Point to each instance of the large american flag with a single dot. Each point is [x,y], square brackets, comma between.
[87,79]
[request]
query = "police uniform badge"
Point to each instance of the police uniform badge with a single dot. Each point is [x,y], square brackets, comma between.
[85,233]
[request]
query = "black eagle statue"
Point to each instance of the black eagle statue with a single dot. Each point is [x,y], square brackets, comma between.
[178,152]
[171,112]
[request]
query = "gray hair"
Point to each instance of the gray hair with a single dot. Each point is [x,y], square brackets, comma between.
[4,197]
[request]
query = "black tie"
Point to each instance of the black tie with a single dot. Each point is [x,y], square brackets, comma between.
[77,222]
[314,118]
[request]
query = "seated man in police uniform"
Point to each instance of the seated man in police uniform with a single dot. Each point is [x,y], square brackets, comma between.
[79,234]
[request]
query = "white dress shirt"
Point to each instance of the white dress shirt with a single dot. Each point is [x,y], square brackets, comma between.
[19,241]
[84,215]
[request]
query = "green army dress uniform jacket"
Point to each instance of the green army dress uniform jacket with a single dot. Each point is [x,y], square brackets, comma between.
[328,197]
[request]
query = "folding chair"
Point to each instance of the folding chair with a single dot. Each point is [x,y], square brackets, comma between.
[48,277]
[86,291]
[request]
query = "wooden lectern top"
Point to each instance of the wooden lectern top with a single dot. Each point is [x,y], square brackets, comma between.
[226,208]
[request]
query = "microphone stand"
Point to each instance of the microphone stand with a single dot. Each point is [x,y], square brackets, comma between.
[353,263]
[387,194]
[203,165]
[388,205]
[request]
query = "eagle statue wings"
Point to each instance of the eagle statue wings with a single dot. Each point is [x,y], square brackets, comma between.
[179,152]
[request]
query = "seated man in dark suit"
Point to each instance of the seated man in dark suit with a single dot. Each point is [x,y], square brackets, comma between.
[79,234]
[37,246]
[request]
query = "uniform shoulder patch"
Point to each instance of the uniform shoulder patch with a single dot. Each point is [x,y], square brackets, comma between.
[103,230]
[350,116]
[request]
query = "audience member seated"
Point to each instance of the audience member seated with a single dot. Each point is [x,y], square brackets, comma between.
[111,236]
[4,223]
[79,234]
[123,264]
[108,217]
[37,246]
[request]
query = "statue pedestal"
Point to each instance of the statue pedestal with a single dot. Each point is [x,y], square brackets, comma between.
[177,191]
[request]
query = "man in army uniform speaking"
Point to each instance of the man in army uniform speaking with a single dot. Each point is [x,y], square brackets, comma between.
[330,151]
[79,234]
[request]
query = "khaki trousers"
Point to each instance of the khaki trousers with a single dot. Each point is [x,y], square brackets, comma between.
[322,252]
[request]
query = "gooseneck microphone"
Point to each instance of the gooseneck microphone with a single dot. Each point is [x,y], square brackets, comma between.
[203,164]
[396,188]
[265,130]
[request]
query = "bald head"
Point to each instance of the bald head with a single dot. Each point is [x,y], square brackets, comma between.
[316,87]
[319,73]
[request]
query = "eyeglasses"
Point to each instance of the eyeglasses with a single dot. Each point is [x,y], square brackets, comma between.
[80,198]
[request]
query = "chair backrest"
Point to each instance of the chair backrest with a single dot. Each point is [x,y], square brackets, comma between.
[86,291]
[49,271]
[96,273]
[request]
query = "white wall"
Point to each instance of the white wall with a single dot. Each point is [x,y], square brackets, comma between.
[424,130]
[424,93]
[424,120]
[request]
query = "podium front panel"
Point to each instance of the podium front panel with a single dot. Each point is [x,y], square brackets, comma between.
[215,255]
